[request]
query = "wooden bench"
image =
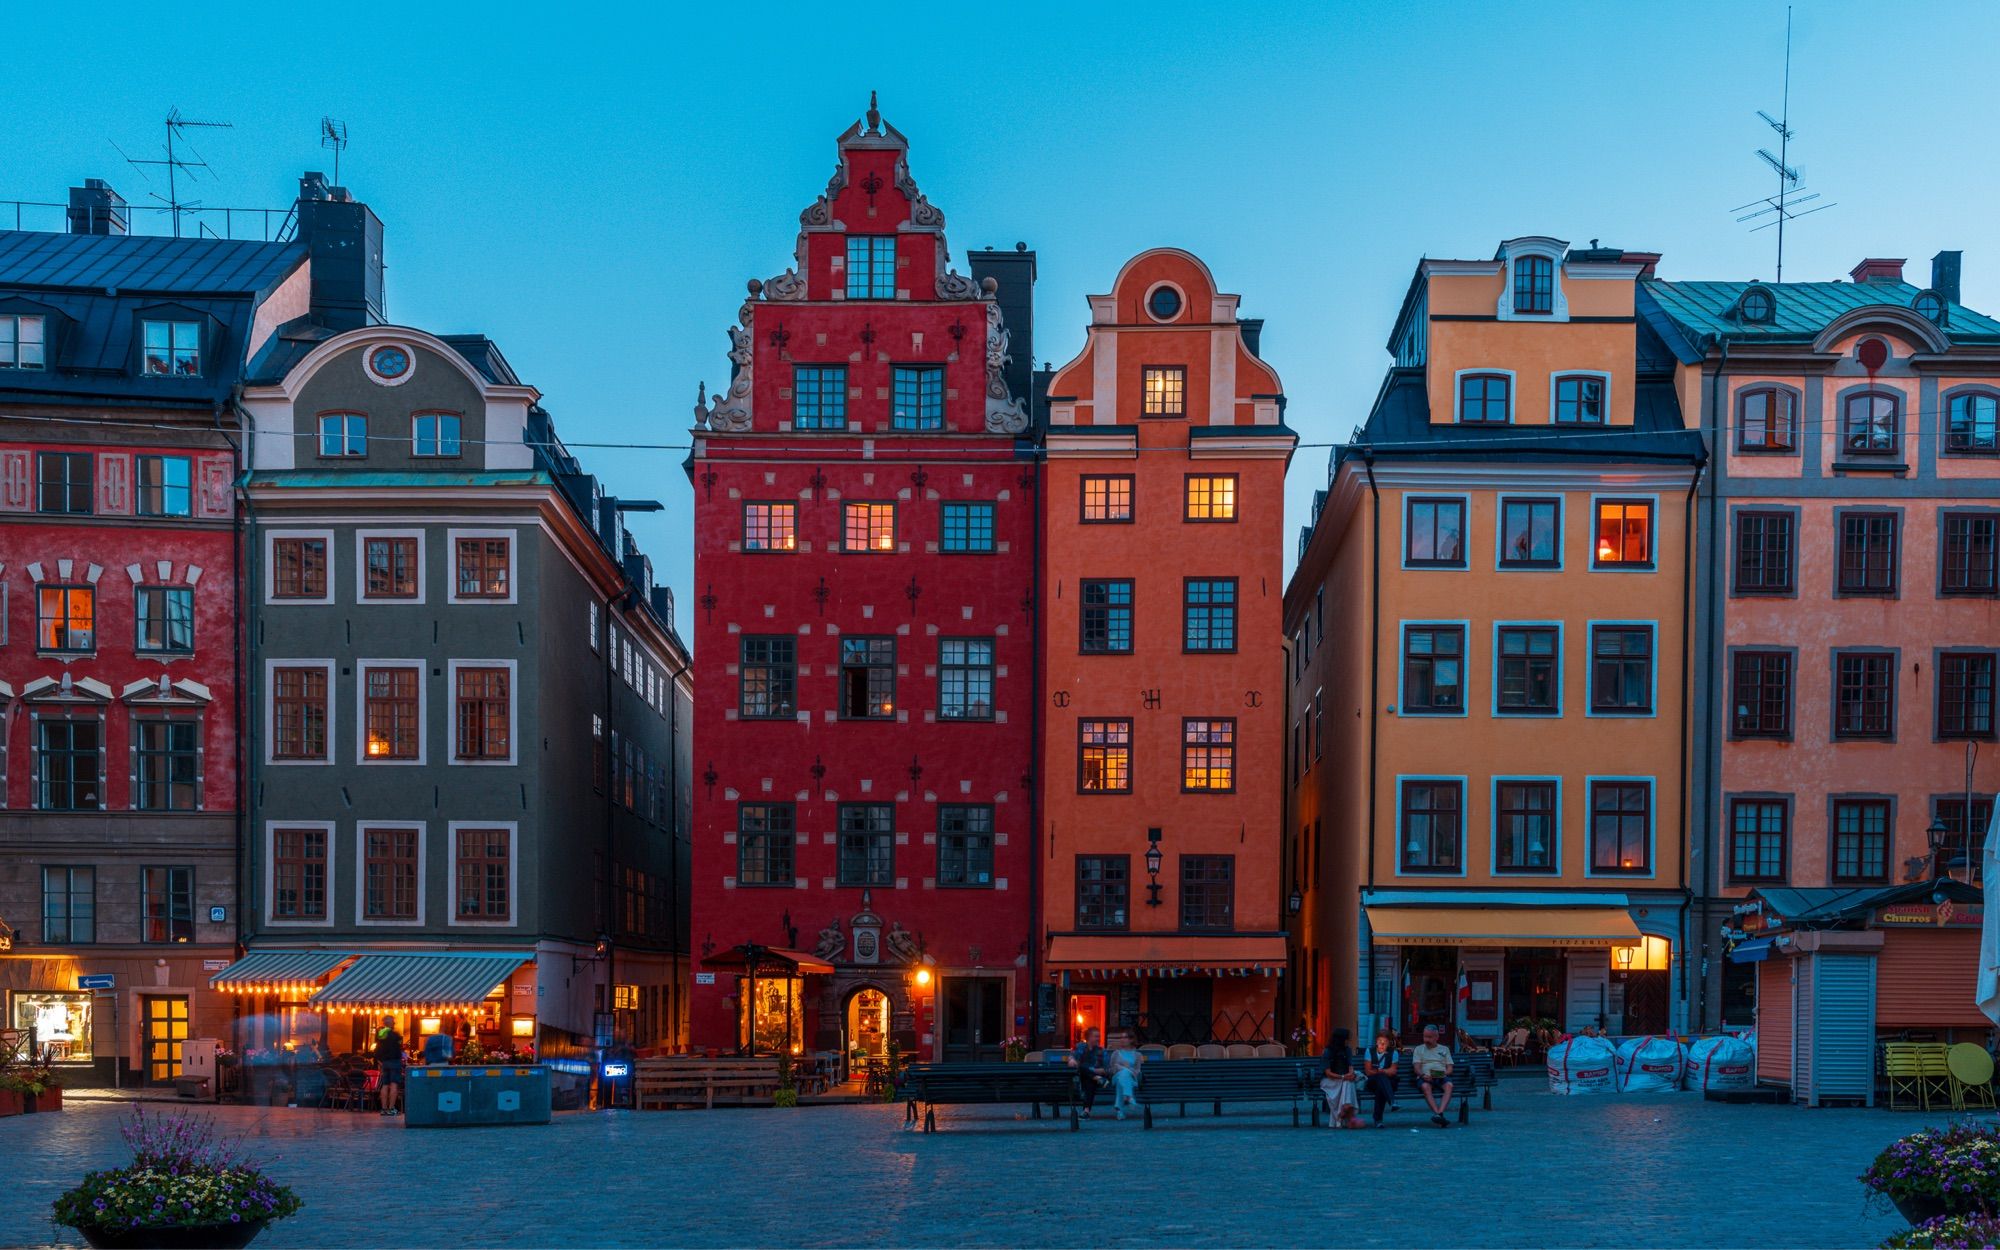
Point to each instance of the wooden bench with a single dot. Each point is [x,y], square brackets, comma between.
[1217,1081]
[1471,1072]
[961,1084]
[686,1081]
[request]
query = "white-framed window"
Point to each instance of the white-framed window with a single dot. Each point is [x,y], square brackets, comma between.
[343,435]
[485,723]
[483,566]
[434,434]
[298,873]
[23,342]
[483,875]
[298,566]
[594,641]
[170,348]
[389,566]
[298,712]
[389,873]
[393,701]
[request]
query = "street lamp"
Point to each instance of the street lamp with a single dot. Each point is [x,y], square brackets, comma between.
[1153,858]
[1938,835]
[1296,902]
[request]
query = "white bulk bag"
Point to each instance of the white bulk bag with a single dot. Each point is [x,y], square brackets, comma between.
[1649,1065]
[1725,1062]
[1581,1065]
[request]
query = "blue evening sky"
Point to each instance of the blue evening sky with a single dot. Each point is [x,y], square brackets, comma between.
[591,185]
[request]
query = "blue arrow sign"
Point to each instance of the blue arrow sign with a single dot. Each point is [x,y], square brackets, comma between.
[95,981]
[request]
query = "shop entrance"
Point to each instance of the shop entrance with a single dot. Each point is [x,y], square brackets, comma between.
[1646,995]
[1180,1010]
[868,1025]
[1534,989]
[1429,997]
[165,1020]
[1086,1012]
[975,1019]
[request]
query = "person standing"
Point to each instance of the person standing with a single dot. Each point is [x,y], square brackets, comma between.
[1087,1057]
[1433,1065]
[389,1059]
[1337,1079]
[1380,1068]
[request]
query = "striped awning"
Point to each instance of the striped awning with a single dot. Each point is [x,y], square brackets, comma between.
[441,981]
[1167,954]
[276,970]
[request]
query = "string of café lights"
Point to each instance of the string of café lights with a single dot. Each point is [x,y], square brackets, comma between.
[1558,433]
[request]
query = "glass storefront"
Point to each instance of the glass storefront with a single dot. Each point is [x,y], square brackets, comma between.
[57,1024]
[772,1023]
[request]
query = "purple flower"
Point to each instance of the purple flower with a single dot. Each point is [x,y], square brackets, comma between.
[235,1218]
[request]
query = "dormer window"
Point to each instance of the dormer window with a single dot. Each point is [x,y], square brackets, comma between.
[1484,398]
[871,266]
[172,348]
[343,434]
[1930,306]
[1757,307]
[23,342]
[1534,286]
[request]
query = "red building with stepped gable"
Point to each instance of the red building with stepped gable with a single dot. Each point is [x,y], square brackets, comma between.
[864,539]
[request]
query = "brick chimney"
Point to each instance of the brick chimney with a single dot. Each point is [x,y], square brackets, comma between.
[1878,269]
[94,208]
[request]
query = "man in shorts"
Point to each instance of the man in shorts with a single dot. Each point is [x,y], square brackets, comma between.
[389,1058]
[1433,1065]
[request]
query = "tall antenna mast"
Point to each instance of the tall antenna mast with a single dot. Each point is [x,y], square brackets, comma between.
[1784,205]
[333,135]
[177,128]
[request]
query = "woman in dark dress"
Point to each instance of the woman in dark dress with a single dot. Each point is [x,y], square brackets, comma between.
[1337,1081]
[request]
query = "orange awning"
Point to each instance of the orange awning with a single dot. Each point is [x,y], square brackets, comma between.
[1503,926]
[769,959]
[1151,954]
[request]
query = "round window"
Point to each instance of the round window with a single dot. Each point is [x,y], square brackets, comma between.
[389,364]
[1929,306]
[1758,307]
[1164,303]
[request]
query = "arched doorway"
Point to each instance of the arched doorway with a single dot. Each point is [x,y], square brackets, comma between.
[867,1021]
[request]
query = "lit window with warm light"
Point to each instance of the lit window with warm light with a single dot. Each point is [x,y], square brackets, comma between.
[1621,826]
[1208,756]
[869,527]
[1165,391]
[770,527]
[1624,534]
[867,678]
[1107,499]
[1211,498]
[390,711]
[1105,756]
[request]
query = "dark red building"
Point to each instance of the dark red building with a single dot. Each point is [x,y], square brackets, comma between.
[864,691]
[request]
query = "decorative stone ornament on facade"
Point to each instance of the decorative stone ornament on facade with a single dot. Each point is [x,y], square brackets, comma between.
[832,943]
[1004,413]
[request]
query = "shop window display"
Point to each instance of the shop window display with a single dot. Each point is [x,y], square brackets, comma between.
[58,1023]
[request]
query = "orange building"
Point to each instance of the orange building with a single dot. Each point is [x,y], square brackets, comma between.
[1488,628]
[1163,739]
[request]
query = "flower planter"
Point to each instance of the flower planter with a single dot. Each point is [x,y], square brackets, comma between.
[11,1102]
[49,1099]
[174,1236]
[1918,1208]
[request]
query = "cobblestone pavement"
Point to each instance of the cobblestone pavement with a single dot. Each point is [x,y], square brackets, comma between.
[1536,1171]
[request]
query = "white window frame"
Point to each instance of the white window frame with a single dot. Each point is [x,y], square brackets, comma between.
[361,670]
[42,338]
[271,668]
[271,538]
[1601,376]
[513,829]
[271,827]
[513,712]
[513,537]
[345,452]
[1513,398]
[361,829]
[361,594]
[595,643]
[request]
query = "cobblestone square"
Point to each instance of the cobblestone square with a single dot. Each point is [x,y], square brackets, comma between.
[1537,1170]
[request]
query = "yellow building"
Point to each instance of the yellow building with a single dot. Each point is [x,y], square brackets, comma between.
[1488,633]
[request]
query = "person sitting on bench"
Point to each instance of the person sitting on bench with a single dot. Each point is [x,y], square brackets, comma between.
[1433,1066]
[1087,1057]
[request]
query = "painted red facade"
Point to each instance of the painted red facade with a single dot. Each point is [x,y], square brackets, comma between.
[927,943]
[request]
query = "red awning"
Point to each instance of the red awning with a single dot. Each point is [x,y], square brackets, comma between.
[767,959]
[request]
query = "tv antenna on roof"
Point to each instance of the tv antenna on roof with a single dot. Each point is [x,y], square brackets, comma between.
[1783,206]
[333,136]
[177,128]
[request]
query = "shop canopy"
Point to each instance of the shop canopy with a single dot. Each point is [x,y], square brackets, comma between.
[749,958]
[266,971]
[436,981]
[1503,926]
[1167,954]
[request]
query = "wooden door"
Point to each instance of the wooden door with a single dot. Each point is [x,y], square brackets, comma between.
[165,1025]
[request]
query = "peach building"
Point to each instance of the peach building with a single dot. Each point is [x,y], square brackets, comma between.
[1488,631]
[1163,733]
[1847,616]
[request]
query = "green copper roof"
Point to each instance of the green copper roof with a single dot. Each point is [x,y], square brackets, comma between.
[1803,308]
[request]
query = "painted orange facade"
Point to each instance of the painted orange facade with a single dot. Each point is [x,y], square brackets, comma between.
[1487,632]
[1163,733]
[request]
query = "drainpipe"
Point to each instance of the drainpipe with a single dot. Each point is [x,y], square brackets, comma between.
[242,563]
[1711,711]
[1687,762]
[1374,706]
[1036,835]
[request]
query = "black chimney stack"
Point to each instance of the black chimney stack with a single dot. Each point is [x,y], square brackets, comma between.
[1015,272]
[1252,330]
[94,208]
[1944,274]
[343,239]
